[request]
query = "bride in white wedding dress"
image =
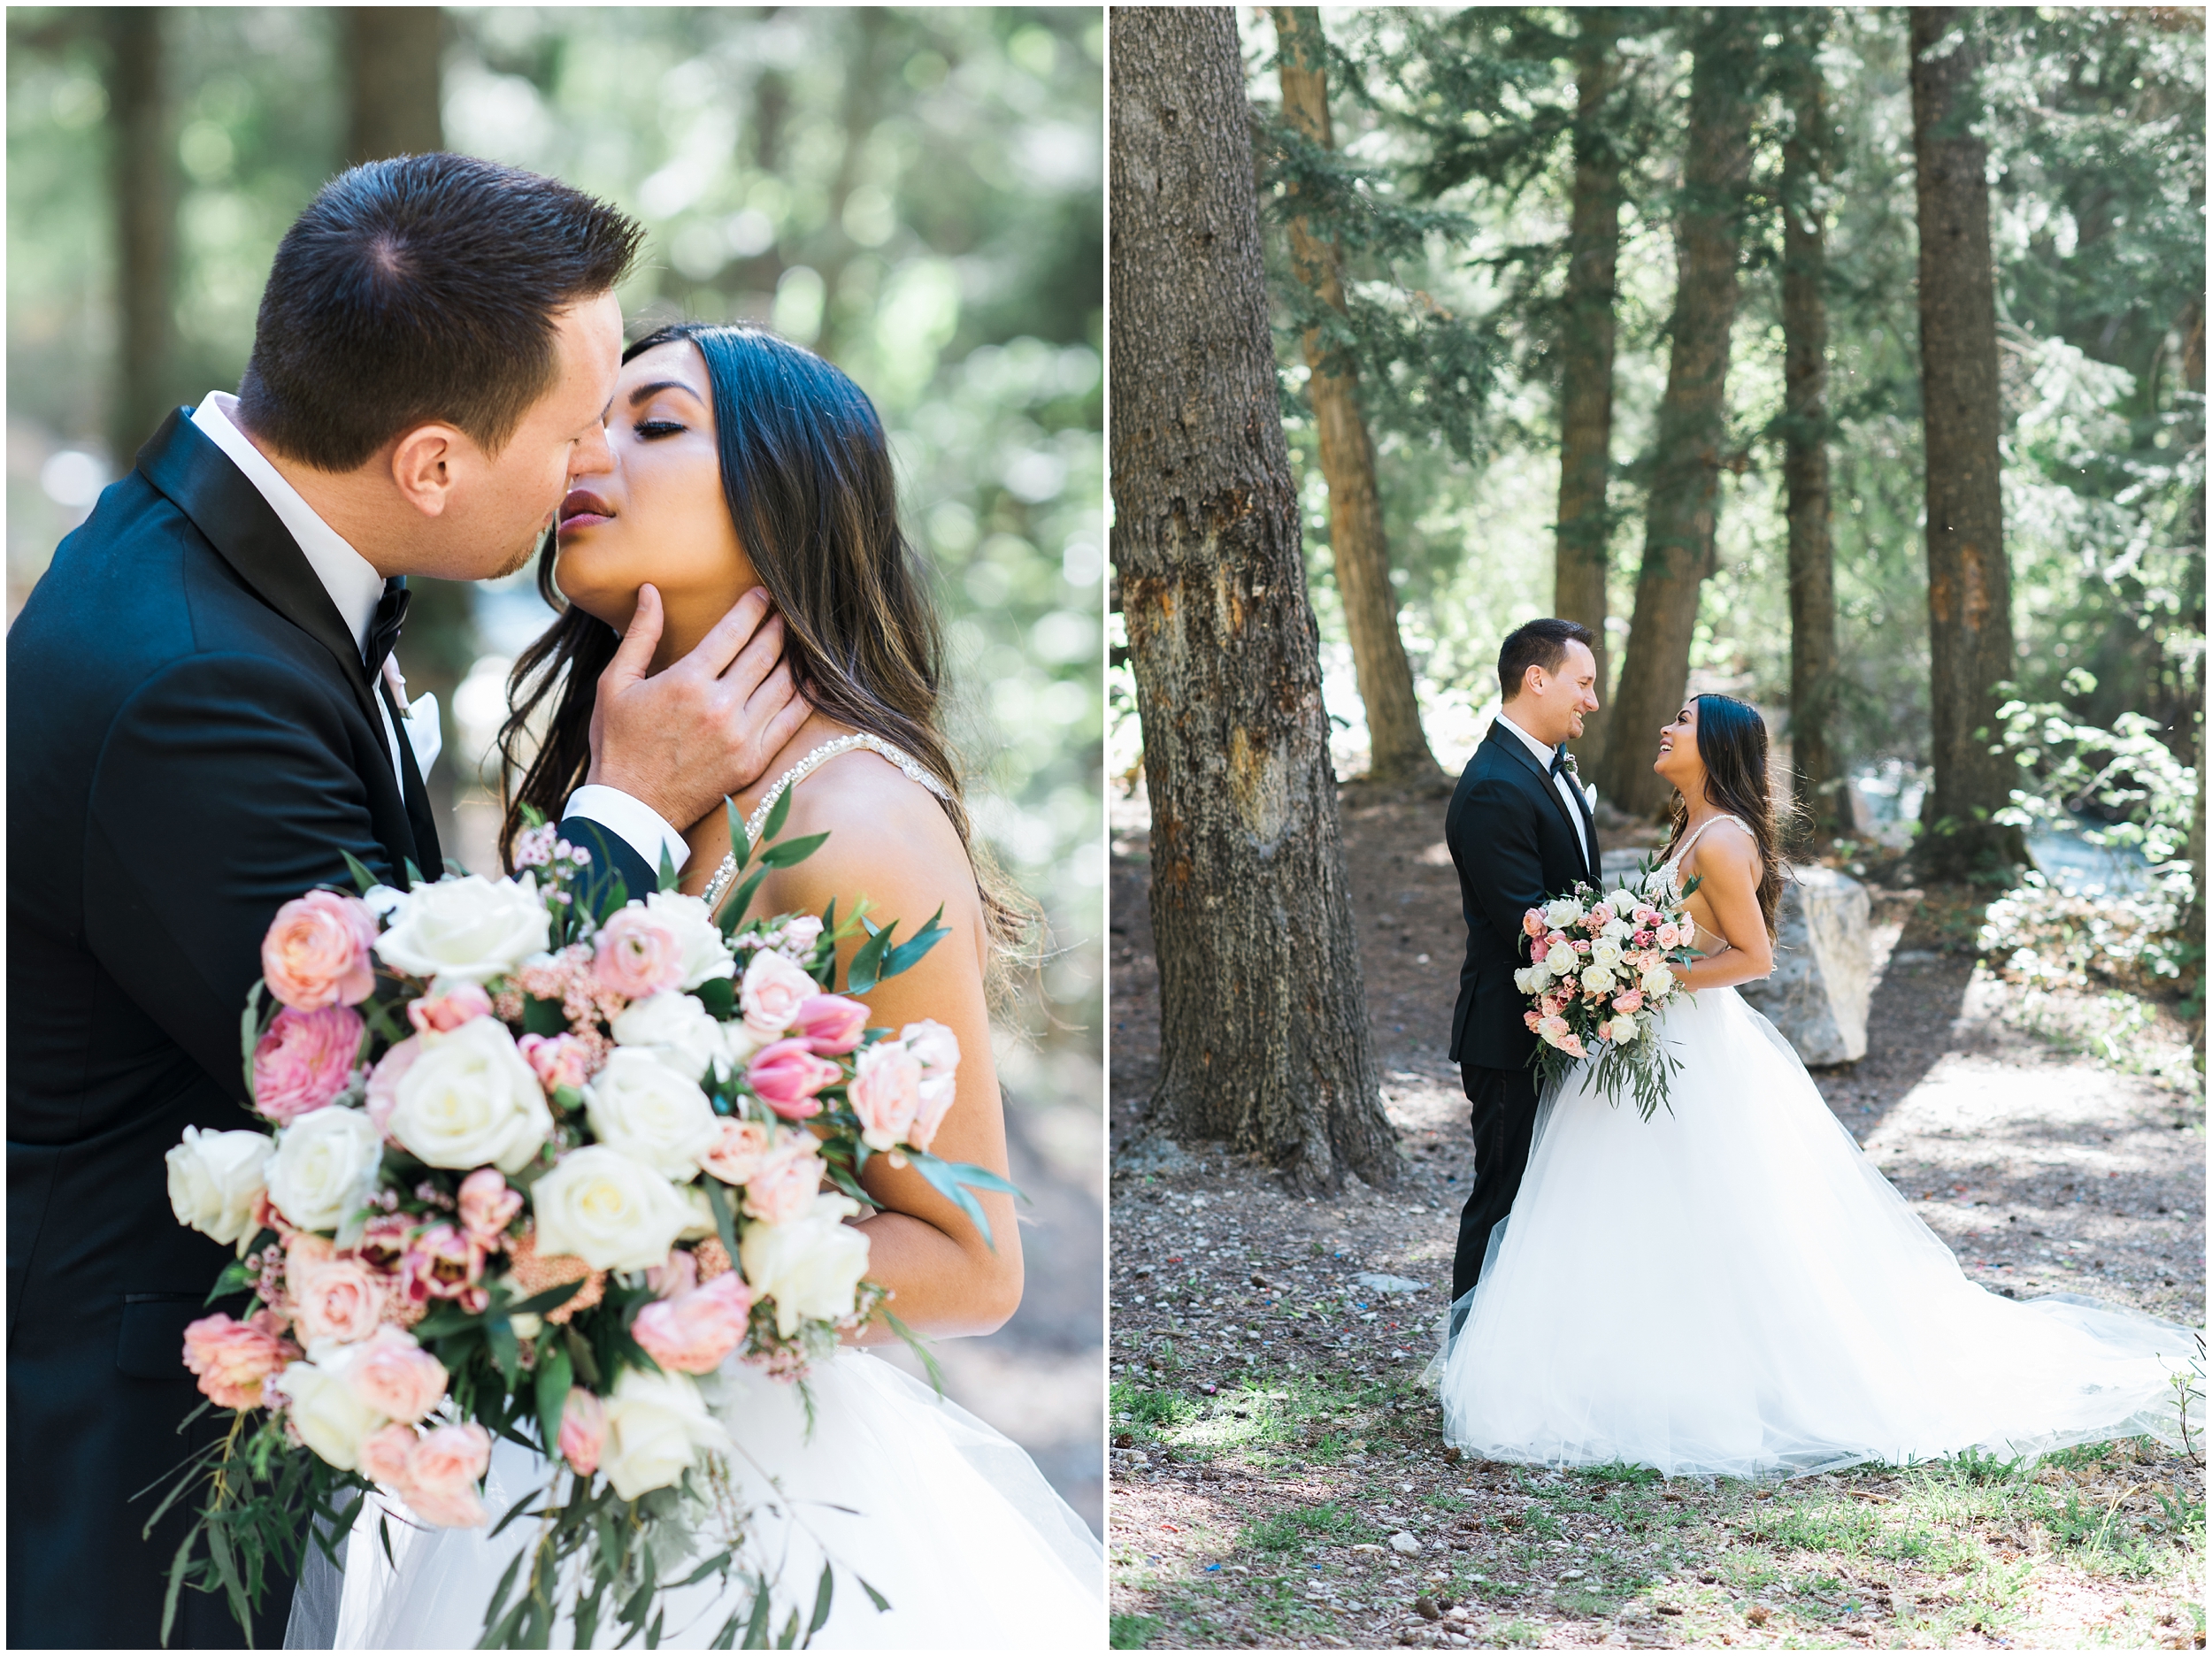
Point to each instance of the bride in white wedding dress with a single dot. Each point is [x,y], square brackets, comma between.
[741,461]
[1733,1288]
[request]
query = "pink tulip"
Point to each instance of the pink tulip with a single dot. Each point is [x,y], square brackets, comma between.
[638,955]
[830,1023]
[448,1011]
[396,1376]
[316,953]
[304,1061]
[487,1207]
[583,1431]
[231,1358]
[786,1075]
[694,1332]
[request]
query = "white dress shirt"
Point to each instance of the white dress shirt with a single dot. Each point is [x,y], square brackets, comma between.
[356,589]
[1564,782]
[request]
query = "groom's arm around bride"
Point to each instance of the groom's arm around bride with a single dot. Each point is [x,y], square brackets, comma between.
[199,728]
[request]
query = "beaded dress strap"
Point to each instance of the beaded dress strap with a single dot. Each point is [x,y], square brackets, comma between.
[725,874]
[1674,862]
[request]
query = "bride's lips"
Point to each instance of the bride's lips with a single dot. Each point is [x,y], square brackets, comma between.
[581,510]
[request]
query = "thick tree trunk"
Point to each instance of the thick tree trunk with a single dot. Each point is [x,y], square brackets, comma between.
[2192,926]
[143,178]
[1970,598]
[1264,1040]
[1819,777]
[393,108]
[1692,414]
[1585,361]
[1398,751]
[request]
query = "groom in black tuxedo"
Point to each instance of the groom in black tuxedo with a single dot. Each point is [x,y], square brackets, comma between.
[200,722]
[1520,830]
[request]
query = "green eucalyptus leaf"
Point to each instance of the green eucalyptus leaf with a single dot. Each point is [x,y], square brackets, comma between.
[793,851]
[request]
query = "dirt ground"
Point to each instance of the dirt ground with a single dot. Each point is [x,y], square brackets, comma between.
[1277,1477]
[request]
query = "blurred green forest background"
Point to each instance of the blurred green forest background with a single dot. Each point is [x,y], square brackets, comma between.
[914,192]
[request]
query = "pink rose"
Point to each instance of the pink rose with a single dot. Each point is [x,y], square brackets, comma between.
[830,1023]
[1532,922]
[771,992]
[560,1060]
[445,1262]
[1531,1019]
[487,1207]
[232,1359]
[387,1453]
[678,1274]
[583,1431]
[785,1187]
[740,1152]
[1554,1029]
[1572,1047]
[1600,914]
[1644,915]
[396,1376]
[450,1010]
[317,952]
[1668,935]
[383,1090]
[694,1332]
[340,1299]
[886,1093]
[638,955]
[304,1061]
[442,1473]
[786,1075]
[1629,1001]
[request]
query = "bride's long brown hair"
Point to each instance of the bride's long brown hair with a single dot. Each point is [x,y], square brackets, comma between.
[1732,744]
[808,476]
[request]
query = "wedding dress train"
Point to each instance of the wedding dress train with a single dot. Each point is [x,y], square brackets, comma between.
[1734,1290]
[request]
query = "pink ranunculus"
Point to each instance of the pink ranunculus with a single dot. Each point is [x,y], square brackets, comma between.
[771,992]
[387,1455]
[1532,922]
[1573,1047]
[583,1431]
[441,1488]
[445,1262]
[304,1061]
[936,1047]
[1531,1018]
[396,1376]
[1629,1001]
[786,1075]
[937,1101]
[638,954]
[741,1150]
[487,1207]
[383,1090]
[340,1299]
[231,1358]
[1600,914]
[1644,915]
[559,1060]
[694,1332]
[830,1023]
[317,952]
[786,1187]
[1668,935]
[448,1011]
[886,1093]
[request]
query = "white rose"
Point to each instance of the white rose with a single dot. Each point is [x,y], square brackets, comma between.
[469,929]
[675,1029]
[470,1100]
[809,1266]
[1562,912]
[215,1178]
[608,1209]
[706,956]
[1597,979]
[1615,929]
[1605,952]
[638,1105]
[1626,1028]
[935,1046]
[331,1419]
[1657,983]
[1562,960]
[771,994]
[1525,980]
[325,1167]
[1621,902]
[657,1423]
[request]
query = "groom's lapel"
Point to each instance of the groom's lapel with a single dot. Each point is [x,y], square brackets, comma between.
[1519,750]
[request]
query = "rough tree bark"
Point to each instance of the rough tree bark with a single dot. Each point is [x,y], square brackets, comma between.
[1399,752]
[143,179]
[1586,360]
[1970,598]
[1264,1040]
[393,95]
[1693,413]
[1820,782]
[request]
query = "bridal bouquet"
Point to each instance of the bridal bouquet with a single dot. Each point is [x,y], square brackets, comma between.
[1599,980]
[531,1171]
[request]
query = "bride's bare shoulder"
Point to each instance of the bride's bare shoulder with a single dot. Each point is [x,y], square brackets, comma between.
[888,838]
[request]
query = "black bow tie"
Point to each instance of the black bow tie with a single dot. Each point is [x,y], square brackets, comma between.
[1562,759]
[391,614]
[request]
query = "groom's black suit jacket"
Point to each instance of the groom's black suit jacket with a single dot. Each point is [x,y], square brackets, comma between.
[1513,841]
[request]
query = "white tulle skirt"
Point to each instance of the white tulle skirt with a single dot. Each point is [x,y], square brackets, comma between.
[1733,1290]
[947,1518]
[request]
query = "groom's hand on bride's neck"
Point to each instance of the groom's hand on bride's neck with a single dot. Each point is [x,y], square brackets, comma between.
[706,727]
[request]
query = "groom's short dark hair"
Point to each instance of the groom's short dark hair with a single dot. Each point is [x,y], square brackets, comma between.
[1540,643]
[419,288]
